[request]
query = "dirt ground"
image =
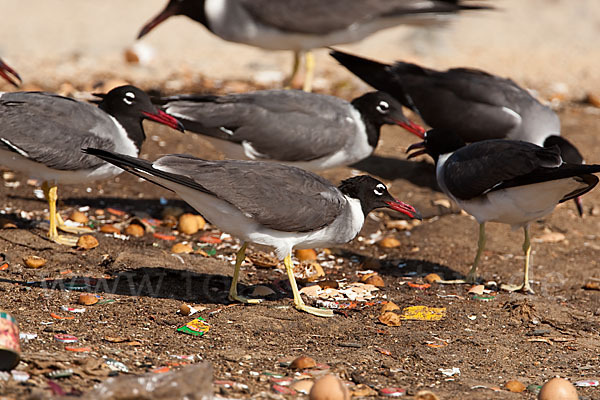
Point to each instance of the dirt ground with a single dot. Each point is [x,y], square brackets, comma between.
[491,339]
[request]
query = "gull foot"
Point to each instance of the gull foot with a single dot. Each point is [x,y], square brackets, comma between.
[319,312]
[524,287]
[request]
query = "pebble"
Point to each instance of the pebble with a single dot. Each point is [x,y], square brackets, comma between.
[389,242]
[108,228]
[190,223]
[306,254]
[78,216]
[135,230]
[432,278]
[87,242]
[389,306]
[88,299]
[389,318]
[303,362]
[34,261]
[515,386]
[185,248]
[329,387]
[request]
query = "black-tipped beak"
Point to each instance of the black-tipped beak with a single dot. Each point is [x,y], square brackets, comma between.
[163,118]
[412,127]
[171,9]
[420,147]
[404,209]
[10,74]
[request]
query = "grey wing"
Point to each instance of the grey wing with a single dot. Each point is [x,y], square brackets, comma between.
[277,196]
[321,17]
[51,130]
[280,125]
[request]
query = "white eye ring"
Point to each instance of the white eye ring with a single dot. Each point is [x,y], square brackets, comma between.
[383,107]
[128,96]
[379,189]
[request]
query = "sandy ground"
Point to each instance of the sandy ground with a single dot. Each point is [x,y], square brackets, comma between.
[550,45]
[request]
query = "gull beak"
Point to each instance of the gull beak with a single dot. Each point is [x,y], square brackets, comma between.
[404,208]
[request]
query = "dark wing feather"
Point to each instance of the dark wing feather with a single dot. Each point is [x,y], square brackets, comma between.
[281,125]
[51,129]
[279,197]
[484,166]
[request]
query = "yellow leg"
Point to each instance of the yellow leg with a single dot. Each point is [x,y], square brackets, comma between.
[50,192]
[472,275]
[524,287]
[289,82]
[298,302]
[233,294]
[309,73]
[71,229]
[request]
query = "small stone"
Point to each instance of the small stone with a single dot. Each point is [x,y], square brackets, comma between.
[303,362]
[87,242]
[182,248]
[515,386]
[34,261]
[184,309]
[131,56]
[108,228]
[262,291]
[78,216]
[432,278]
[389,242]
[375,280]
[389,306]
[190,223]
[87,299]
[426,395]
[550,237]
[329,387]
[306,254]
[389,318]
[135,230]
[302,386]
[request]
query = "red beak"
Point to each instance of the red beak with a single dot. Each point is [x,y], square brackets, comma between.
[412,127]
[404,209]
[6,72]
[163,118]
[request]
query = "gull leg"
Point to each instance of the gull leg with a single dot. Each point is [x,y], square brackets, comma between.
[309,74]
[71,229]
[524,287]
[50,193]
[471,276]
[233,295]
[288,83]
[298,302]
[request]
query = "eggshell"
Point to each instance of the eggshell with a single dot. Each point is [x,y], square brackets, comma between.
[87,242]
[558,389]
[189,224]
[329,387]
[78,216]
[135,230]
[389,242]
[35,262]
[306,254]
[181,248]
[303,362]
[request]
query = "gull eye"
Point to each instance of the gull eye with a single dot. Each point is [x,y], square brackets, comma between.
[129,96]
[383,107]
[379,189]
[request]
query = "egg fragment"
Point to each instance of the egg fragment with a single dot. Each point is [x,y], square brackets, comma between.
[558,389]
